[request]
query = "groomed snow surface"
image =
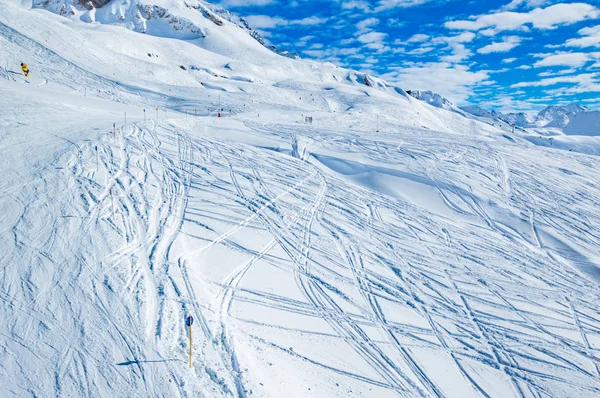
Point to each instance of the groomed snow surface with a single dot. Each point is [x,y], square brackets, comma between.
[438,257]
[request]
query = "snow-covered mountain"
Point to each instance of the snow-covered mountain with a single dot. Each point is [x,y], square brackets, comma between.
[555,118]
[330,235]
[431,98]
[165,18]
[520,119]
[559,115]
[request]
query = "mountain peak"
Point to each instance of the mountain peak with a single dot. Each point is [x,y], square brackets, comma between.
[431,98]
[562,109]
[559,115]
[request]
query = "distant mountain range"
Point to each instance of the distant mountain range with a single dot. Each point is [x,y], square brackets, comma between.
[555,116]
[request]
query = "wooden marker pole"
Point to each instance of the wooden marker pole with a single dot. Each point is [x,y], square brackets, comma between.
[189,321]
[125,118]
[190,329]
[114,133]
[97,159]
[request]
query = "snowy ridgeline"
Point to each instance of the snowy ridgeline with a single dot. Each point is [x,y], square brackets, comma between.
[442,256]
[552,117]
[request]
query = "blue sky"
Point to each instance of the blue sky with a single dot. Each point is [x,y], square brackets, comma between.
[501,54]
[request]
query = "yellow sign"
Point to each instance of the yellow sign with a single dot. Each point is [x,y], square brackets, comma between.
[25,69]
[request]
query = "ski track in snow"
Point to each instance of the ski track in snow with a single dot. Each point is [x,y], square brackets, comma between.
[349,266]
[345,261]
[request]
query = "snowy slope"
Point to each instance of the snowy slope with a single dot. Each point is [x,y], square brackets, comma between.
[439,257]
[477,111]
[584,124]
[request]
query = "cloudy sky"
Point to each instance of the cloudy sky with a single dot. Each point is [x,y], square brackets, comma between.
[501,54]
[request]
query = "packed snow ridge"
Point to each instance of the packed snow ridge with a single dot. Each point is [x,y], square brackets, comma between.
[330,235]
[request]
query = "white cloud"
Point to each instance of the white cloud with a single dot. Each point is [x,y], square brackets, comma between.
[507,103]
[578,89]
[507,44]
[508,60]
[388,4]
[309,21]
[349,51]
[452,81]
[303,41]
[420,51]
[371,37]
[541,18]
[455,43]
[245,3]
[564,59]
[583,79]
[514,4]
[362,5]
[557,73]
[590,30]
[459,53]
[267,22]
[396,22]
[591,38]
[465,37]
[418,38]
[315,53]
[364,26]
